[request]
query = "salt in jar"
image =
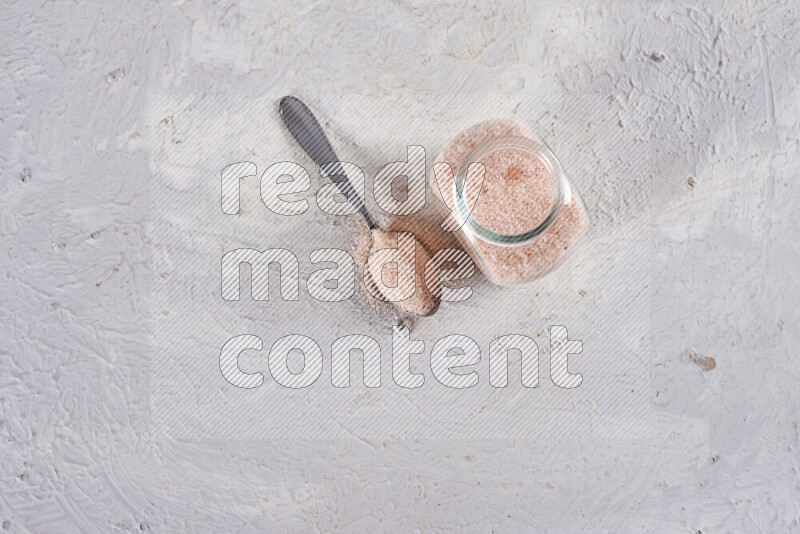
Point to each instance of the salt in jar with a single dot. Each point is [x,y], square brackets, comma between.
[525,217]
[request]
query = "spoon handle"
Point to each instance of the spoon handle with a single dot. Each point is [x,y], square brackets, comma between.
[306,130]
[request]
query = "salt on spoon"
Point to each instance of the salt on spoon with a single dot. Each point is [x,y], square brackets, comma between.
[307,131]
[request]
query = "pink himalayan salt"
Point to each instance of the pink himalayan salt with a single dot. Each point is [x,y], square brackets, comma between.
[511,174]
[365,286]
[503,214]
[421,302]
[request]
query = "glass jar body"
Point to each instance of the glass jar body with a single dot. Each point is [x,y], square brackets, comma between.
[528,232]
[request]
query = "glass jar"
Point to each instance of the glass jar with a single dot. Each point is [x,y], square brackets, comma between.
[520,216]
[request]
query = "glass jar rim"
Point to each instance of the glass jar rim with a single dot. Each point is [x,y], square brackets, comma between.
[533,146]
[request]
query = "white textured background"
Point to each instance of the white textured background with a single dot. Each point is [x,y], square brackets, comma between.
[696,106]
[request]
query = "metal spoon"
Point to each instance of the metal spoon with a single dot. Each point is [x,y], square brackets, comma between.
[308,133]
[306,130]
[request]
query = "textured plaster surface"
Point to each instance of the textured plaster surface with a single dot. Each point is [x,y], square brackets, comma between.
[679,120]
